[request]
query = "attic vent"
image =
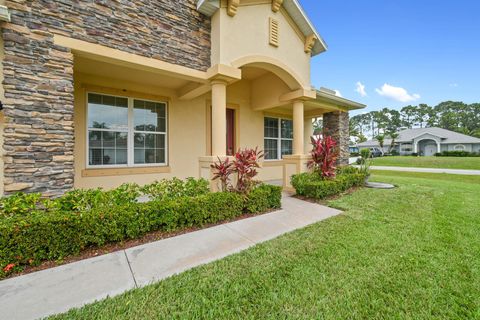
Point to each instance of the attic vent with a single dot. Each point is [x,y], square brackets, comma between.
[273,32]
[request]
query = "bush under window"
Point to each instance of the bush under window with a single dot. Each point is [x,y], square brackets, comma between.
[313,185]
[33,230]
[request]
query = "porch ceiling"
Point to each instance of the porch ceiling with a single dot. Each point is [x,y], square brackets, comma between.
[123,73]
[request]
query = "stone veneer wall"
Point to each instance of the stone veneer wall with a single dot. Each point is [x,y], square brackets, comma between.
[38,107]
[336,124]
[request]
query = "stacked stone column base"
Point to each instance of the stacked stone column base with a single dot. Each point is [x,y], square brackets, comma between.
[336,125]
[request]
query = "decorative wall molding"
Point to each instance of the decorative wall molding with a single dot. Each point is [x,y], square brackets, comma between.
[232,7]
[276,4]
[310,42]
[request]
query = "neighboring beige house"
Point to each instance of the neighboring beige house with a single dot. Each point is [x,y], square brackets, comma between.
[98,93]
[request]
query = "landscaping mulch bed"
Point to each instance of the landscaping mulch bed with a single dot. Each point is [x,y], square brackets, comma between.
[113,247]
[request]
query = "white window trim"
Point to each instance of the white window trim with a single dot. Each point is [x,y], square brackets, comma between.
[130,133]
[463,148]
[279,138]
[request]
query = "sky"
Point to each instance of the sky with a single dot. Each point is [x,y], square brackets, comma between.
[387,53]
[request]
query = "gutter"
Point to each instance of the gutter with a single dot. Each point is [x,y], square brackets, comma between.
[4,14]
[351,105]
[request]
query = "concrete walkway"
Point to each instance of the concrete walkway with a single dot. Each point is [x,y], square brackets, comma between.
[59,289]
[429,170]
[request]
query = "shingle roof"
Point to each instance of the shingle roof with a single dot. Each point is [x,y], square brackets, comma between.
[408,135]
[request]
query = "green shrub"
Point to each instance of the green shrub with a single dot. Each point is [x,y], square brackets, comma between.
[457,153]
[33,232]
[19,204]
[176,188]
[311,185]
[264,197]
[347,170]
[54,235]
[82,200]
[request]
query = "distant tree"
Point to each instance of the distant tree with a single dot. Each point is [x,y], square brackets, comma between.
[361,138]
[317,126]
[381,140]
[408,115]
[450,115]
[393,136]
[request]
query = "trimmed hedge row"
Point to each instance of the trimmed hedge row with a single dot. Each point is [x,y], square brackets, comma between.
[311,185]
[44,235]
[457,153]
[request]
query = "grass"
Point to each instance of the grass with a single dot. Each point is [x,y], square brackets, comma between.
[472,163]
[407,253]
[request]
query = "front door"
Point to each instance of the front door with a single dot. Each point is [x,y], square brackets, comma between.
[230,132]
[430,149]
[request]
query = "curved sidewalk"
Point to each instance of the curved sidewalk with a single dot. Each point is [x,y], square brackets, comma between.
[59,289]
[428,170]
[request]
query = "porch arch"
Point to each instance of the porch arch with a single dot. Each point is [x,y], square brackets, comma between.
[417,142]
[280,69]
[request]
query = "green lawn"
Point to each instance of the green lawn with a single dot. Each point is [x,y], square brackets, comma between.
[472,163]
[408,253]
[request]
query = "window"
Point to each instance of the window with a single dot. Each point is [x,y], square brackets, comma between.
[459,147]
[406,147]
[278,138]
[125,131]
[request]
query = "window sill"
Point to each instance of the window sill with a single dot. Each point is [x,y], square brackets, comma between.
[104,172]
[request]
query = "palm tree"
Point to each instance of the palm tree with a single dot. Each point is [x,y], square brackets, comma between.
[393,136]
[381,139]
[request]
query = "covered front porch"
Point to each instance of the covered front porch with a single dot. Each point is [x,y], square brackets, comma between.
[276,113]
[254,102]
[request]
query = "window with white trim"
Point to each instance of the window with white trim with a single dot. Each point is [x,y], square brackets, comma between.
[459,147]
[123,131]
[278,138]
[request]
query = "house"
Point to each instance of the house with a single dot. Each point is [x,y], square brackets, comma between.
[99,93]
[427,142]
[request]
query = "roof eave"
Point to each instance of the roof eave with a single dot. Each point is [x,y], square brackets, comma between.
[348,104]
[294,8]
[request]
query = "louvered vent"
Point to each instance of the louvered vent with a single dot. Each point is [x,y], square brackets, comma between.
[273,32]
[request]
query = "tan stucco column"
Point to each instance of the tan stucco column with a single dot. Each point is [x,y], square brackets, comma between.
[219,122]
[307,144]
[298,127]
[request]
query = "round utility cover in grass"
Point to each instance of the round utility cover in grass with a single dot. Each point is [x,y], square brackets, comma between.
[379,185]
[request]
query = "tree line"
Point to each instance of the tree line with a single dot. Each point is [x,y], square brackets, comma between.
[385,123]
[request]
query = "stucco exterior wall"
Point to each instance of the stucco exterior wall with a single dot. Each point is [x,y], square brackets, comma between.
[188,132]
[468,147]
[247,34]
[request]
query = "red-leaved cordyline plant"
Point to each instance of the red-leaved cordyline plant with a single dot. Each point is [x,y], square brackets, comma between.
[324,156]
[244,165]
[223,170]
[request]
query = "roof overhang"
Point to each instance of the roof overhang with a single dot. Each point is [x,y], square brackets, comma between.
[329,97]
[293,8]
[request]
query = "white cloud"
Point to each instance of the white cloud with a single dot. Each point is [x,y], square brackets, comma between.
[453,85]
[360,88]
[338,93]
[397,93]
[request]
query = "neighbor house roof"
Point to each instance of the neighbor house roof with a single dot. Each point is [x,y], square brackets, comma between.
[408,135]
[293,8]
